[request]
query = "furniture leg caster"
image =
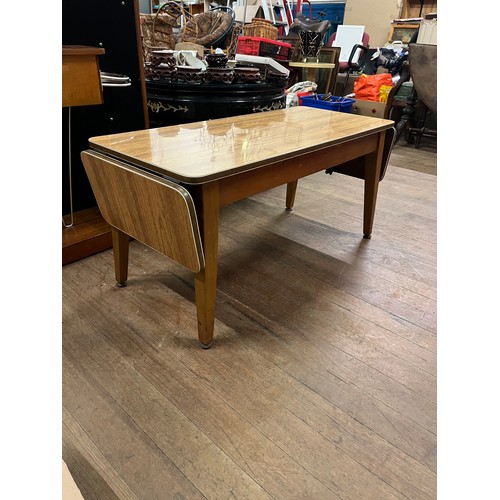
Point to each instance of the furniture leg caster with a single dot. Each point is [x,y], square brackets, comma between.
[206,346]
[288,209]
[367,236]
[121,284]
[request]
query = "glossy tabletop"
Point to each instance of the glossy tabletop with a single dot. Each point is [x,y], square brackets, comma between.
[219,162]
[200,152]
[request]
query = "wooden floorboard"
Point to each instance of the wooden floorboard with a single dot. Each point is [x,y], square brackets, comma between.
[87,234]
[321,382]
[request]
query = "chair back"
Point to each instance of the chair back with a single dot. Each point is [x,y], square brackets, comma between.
[423,67]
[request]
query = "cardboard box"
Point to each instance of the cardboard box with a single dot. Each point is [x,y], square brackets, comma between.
[369,108]
[339,83]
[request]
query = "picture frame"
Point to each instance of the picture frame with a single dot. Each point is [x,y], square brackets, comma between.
[328,55]
[402,32]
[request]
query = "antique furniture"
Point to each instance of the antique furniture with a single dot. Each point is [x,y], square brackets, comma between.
[165,186]
[395,104]
[422,64]
[173,103]
[354,44]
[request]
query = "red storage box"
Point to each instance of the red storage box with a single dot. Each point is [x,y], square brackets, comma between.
[265,47]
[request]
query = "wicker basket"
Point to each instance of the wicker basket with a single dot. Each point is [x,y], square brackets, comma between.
[210,28]
[158,29]
[157,33]
[261,28]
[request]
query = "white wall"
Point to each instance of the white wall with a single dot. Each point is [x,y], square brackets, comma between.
[145,7]
[375,15]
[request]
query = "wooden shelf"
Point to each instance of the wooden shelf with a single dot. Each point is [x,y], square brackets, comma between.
[81,86]
[90,234]
[196,8]
[417,8]
[81,81]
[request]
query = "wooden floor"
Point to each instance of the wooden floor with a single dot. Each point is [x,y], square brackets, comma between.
[321,382]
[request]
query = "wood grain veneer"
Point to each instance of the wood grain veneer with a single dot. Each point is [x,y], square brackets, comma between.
[81,80]
[208,150]
[148,208]
[220,162]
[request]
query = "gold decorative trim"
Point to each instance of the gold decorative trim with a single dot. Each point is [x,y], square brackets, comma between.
[270,107]
[156,107]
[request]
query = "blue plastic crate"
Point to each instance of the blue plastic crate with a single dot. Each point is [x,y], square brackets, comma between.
[344,105]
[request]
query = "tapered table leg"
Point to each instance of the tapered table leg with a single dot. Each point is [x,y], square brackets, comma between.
[291,189]
[120,253]
[205,282]
[373,166]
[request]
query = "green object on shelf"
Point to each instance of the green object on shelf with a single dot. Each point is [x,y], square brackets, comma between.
[404,91]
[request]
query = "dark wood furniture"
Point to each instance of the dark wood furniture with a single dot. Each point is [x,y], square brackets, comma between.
[394,106]
[313,68]
[175,103]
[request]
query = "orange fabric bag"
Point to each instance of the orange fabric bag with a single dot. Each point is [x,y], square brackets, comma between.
[373,87]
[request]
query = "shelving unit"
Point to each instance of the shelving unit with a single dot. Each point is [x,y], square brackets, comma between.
[417,8]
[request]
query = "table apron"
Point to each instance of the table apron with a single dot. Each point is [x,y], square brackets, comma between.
[251,182]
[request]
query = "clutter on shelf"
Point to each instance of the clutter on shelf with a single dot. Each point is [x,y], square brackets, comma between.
[185,66]
[329,102]
[261,28]
[298,90]
[172,24]
[373,87]
[264,47]
[391,57]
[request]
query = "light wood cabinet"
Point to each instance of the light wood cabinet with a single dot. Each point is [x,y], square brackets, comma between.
[81,82]
[417,8]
